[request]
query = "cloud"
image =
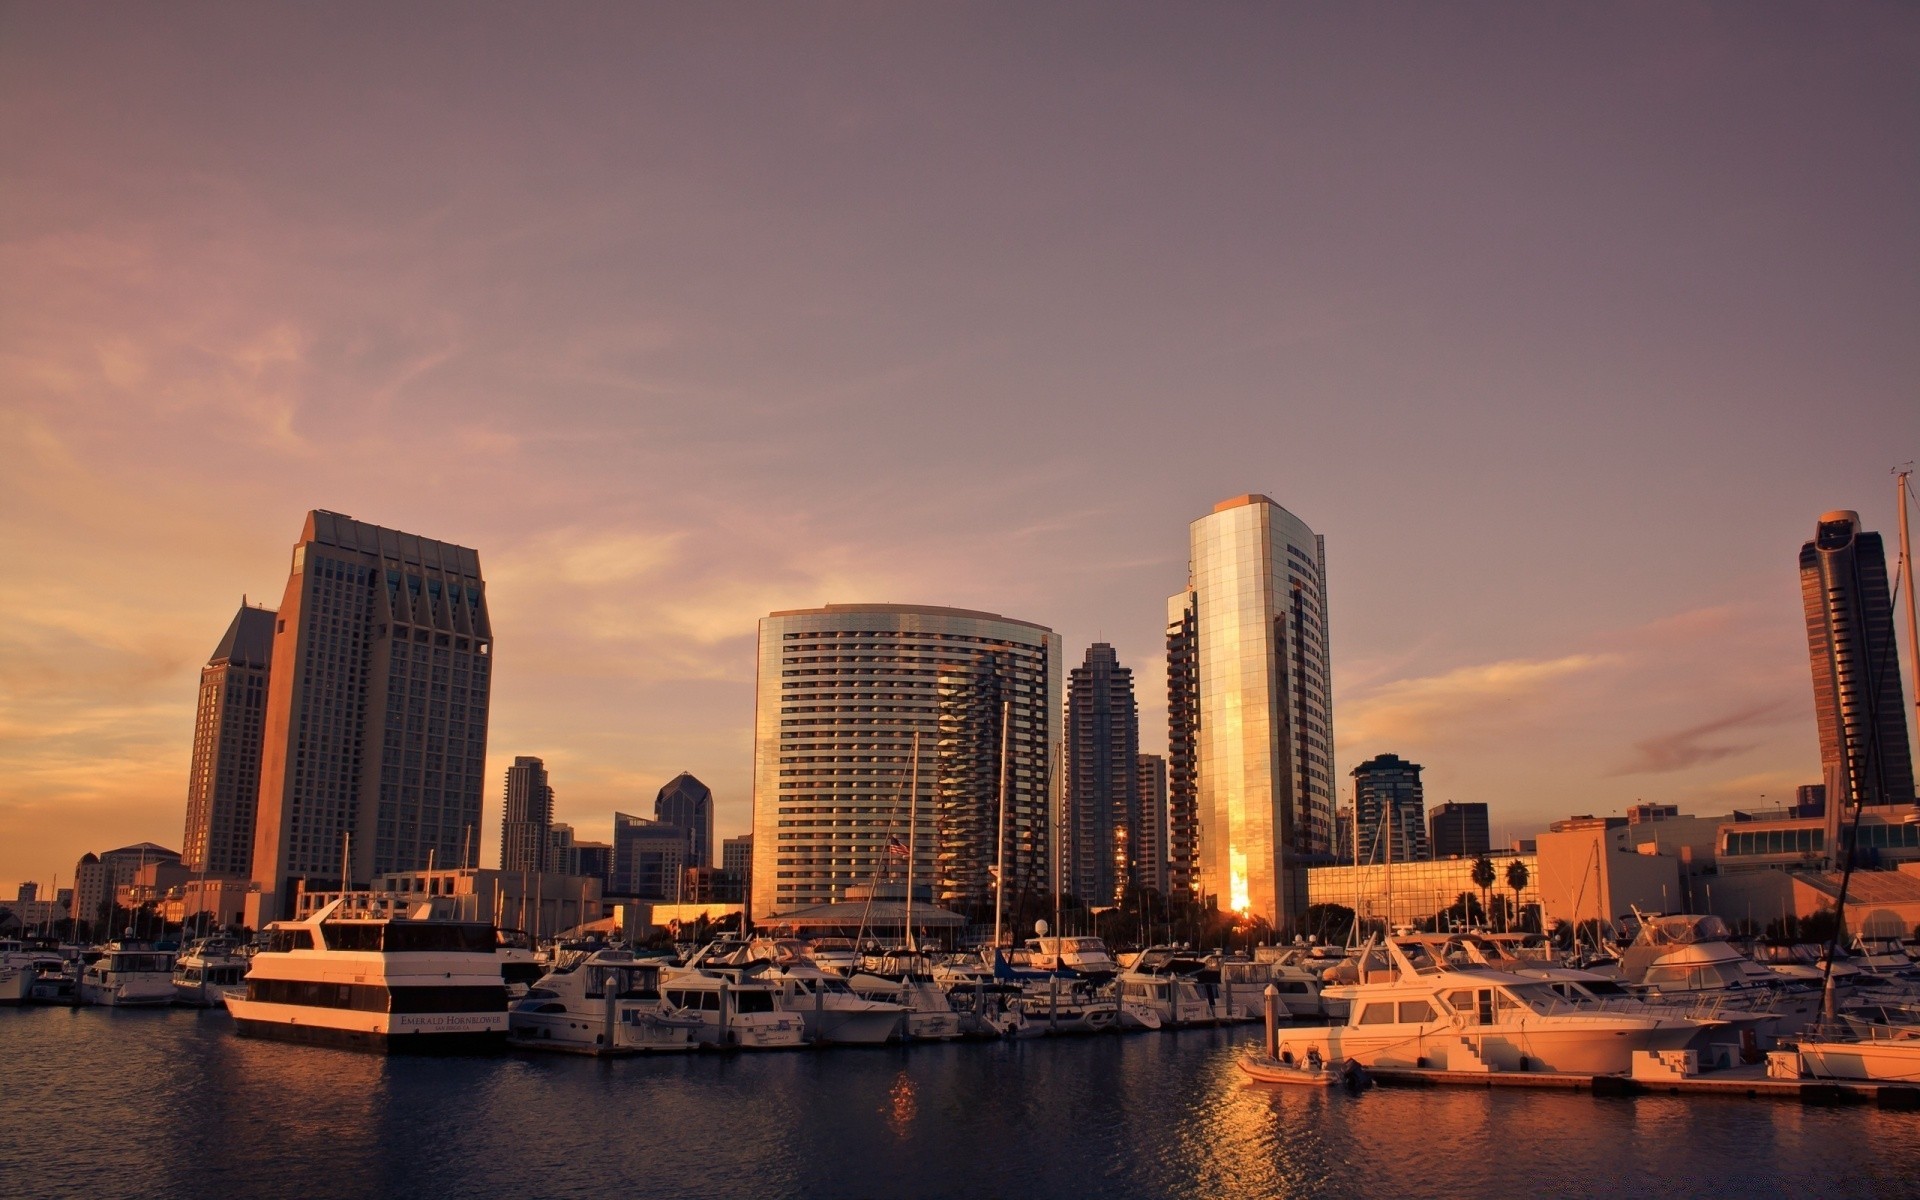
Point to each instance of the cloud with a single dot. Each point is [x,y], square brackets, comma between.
[1696,744]
[1416,709]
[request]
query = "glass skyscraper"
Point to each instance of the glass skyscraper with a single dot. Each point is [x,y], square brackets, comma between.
[1856,670]
[1248,640]
[688,803]
[842,690]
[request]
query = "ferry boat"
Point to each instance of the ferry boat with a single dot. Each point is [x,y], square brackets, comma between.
[207,971]
[611,1003]
[129,974]
[412,984]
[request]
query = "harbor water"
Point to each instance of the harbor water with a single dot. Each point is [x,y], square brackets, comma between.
[106,1103]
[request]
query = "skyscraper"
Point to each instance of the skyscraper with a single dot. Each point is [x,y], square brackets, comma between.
[649,859]
[1458,829]
[841,692]
[223,784]
[688,803]
[526,822]
[1390,810]
[376,722]
[1856,669]
[1103,787]
[1183,750]
[1253,622]
[1150,844]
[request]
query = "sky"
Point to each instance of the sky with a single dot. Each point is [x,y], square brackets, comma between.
[1562,323]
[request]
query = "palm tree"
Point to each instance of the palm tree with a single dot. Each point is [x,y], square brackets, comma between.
[1483,878]
[1517,880]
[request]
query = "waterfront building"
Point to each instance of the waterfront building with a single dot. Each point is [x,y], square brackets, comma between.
[526,821]
[1458,829]
[1587,869]
[1410,893]
[223,783]
[1390,810]
[98,880]
[1151,850]
[1856,668]
[376,720]
[841,692]
[688,803]
[649,859]
[1247,643]
[736,859]
[1104,818]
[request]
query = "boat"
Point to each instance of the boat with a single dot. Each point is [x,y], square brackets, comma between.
[1308,1071]
[129,974]
[1086,956]
[207,971]
[389,984]
[610,1003]
[21,968]
[1688,959]
[830,1011]
[736,1010]
[520,965]
[1421,1012]
[1159,991]
[906,978]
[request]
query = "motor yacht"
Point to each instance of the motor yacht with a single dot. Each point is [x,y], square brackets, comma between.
[1419,1011]
[1878,1053]
[1086,956]
[906,979]
[129,974]
[390,984]
[1687,959]
[21,967]
[207,971]
[1159,991]
[737,1010]
[829,1009]
[610,1003]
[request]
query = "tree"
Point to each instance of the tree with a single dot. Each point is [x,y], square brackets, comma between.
[1483,877]
[1331,923]
[1517,880]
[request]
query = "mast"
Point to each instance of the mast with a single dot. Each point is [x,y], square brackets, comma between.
[1906,578]
[1000,855]
[913,827]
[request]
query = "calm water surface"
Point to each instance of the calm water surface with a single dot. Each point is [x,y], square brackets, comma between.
[105,1104]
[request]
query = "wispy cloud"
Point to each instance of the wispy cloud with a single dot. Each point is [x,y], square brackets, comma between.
[1418,709]
[1703,743]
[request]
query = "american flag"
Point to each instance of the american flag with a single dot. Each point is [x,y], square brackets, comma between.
[896,847]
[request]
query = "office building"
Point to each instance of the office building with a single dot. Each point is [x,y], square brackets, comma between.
[223,783]
[842,692]
[1150,850]
[1253,622]
[1390,814]
[1856,668]
[526,817]
[688,803]
[736,859]
[1103,811]
[1458,829]
[650,859]
[376,723]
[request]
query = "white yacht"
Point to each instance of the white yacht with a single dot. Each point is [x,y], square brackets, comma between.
[1421,1012]
[21,968]
[829,1009]
[906,979]
[388,984]
[1086,955]
[736,1011]
[611,1003]
[1873,1052]
[129,974]
[1159,991]
[207,971]
[1688,959]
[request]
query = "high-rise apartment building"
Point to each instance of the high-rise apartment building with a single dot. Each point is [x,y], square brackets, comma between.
[1250,672]
[842,690]
[1458,829]
[1856,669]
[1390,812]
[1103,814]
[1183,749]
[650,859]
[1150,845]
[376,724]
[736,859]
[223,784]
[688,803]
[526,821]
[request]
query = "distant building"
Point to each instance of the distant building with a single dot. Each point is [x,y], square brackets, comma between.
[1638,814]
[842,691]
[1151,850]
[649,859]
[1183,749]
[1104,816]
[568,856]
[1856,667]
[1810,800]
[1409,893]
[736,859]
[688,803]
[1458,829]
[223,783]
[1390,810]
[526,822]
[376,718]
[1254,652]
[98,880]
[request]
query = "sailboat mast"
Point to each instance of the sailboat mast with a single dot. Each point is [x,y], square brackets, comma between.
[1000,842]
[913,827]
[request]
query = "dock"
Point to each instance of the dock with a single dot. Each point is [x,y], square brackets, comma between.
[1746,1080]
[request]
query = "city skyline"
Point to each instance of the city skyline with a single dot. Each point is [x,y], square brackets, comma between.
[1563,337]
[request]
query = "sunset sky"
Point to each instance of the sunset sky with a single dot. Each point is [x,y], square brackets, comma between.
[1561,323]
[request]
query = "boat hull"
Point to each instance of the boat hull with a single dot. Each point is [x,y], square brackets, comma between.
[1881,1061]
[385,1033]
[1599,1049]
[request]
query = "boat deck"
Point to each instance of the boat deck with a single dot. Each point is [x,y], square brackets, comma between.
[1751,1081]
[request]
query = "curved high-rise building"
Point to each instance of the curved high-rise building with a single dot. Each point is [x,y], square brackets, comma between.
[842,690]
[1856,670]
[1251,701]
